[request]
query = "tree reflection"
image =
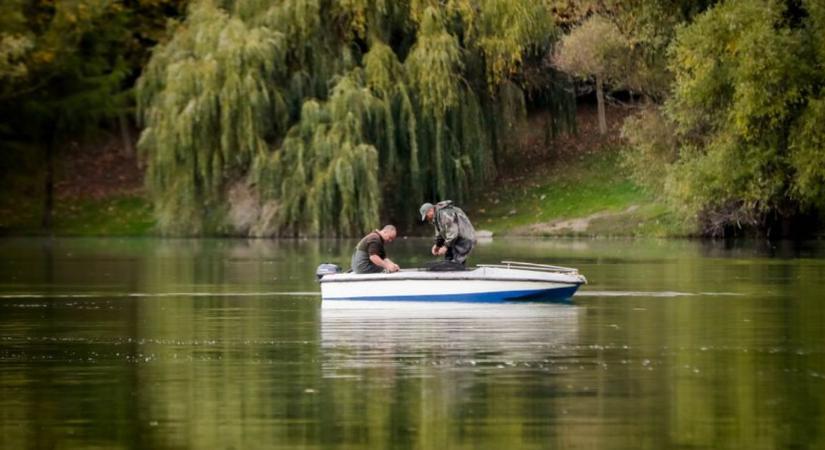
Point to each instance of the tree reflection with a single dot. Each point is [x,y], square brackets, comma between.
[216,344]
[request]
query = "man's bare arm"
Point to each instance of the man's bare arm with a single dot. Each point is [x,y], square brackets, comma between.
[385,263]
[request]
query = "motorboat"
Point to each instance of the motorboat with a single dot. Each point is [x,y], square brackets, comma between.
[507,281]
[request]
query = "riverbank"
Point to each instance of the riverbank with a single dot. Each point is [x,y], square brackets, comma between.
[568,185]
[589,198]
[580,189]
[98,192]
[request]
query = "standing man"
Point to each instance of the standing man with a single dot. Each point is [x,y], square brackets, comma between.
[370,257]
[454,234]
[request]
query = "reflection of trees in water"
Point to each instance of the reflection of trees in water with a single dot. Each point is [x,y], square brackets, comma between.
[229,372]
[177,371]
[444,375]
[242,360]
[712,371]
[234,265]
[721,372]
[54,390]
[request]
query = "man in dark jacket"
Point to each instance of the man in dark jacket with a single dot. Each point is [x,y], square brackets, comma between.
[370,257]
[454,234]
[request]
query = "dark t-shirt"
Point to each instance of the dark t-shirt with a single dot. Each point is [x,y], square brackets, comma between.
[372,244]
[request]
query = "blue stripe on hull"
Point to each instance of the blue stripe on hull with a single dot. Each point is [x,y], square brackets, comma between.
[555,294]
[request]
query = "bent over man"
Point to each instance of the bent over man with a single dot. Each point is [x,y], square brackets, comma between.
[454,234]
[370,257]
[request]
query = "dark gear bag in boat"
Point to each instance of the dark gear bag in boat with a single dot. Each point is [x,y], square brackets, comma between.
[444,266]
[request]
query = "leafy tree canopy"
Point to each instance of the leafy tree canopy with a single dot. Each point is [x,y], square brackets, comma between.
[595,48]
[747,109]
[330,114]
[65,65]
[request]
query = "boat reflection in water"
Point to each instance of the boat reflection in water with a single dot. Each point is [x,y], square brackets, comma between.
[448,375]
[408,333]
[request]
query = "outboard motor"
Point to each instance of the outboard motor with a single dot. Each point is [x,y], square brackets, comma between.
[326,269]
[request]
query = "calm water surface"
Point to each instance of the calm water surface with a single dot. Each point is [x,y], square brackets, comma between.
[224,344]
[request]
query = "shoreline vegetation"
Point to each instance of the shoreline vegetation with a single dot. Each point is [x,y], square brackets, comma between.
[305,118]
[580,189]
[574,185]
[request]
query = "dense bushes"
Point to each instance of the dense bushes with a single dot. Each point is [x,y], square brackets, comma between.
[746,116]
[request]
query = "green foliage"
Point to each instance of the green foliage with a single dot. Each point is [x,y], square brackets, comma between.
[13,48]
[59,66]
[434,64]
[320,115]
[66,69]
[735,59]
[325,174]
[647,26]
[217,120]
[504,31]
[807,142]
[747,112]
[433,69]
[596,48]
[816,21]
[511,110]
[651,144]
[807,155]
[65,66]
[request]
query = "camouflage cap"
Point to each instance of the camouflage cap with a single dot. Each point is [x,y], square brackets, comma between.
[424,208]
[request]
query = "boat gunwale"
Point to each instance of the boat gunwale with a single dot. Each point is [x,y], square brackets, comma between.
[324,279]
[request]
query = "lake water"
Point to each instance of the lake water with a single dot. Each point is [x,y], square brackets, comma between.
[225,344]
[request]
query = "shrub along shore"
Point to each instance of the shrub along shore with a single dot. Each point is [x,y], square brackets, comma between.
[584,191]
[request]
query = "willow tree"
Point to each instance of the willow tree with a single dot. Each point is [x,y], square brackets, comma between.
[324,174]
[433,68]
[208,106]
[330,114]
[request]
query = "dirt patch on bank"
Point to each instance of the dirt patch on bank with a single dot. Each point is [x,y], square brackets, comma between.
[575,226]
[98,169]
[539,151]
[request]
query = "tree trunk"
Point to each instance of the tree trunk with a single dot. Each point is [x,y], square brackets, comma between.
[126,135]
[48,194]
[549,130]
[600,102]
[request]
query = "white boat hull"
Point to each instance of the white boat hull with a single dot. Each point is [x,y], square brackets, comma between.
[484,284]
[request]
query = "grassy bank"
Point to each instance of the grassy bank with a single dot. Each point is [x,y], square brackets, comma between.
[98,192]
[119,215]
[586,196]
[589,196]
